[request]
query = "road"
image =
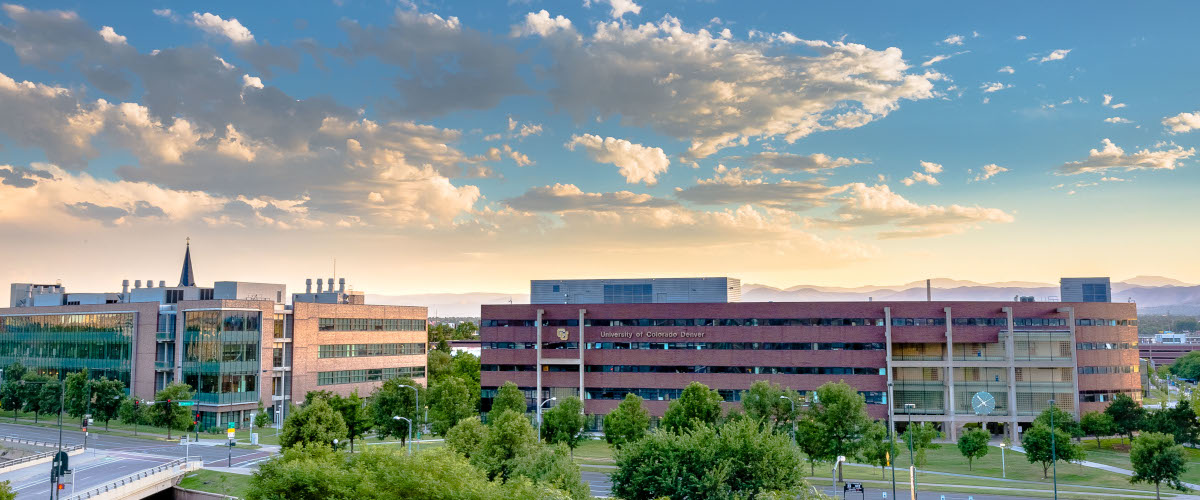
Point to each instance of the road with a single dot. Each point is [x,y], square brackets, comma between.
[111,457]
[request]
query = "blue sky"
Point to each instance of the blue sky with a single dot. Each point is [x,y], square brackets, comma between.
[475,145]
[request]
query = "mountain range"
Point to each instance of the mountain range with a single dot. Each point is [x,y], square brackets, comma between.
[1153,294]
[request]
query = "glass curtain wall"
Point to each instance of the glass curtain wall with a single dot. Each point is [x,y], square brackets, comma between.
[54,345]
[220,355]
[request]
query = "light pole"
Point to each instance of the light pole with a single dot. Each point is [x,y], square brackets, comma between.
[1003,474]
[1053,454]
[891,440]
[416,410]
[793,415]
[409,431]
[540,416]
[833,475]
[912,466]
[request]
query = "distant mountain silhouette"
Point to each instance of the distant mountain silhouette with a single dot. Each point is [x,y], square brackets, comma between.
[1153,294]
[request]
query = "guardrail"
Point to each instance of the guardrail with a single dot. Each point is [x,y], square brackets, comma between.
[178,465]
[39,456]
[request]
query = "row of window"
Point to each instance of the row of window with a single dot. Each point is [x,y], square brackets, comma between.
[1092,346]
[223,321]
[1106,322]
[758,370]
[744,346]
[1101,370]
[1104,395]
[369,325]
[118,323]
[368,375]
[210,351]
[782,322]
[364,350]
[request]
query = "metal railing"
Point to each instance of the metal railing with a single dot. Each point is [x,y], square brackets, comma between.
[178,465]
[39,456]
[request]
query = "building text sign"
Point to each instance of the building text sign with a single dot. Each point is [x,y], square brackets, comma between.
[652,335]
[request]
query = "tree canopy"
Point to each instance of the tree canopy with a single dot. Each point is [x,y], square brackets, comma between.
[1126,414]
[1096,424]
[919,437]
[771,403]
[171,415]
[316,424]
[467,437]
[878,448]
[392,400]
[1180,422]
[1157,459]
[451,400]
[510,435]
[629,422]
[1039,449]
[508,397]
[973,444]
[697,405]
[355,415]
[565,423]
[1187,366]
[840,418]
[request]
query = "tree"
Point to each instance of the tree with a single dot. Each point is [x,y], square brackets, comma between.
[878,448]
[811,441]
[12,397]
[565,423]
[697,405]
[840,415]
[311,396]
[742,459]
[166,411]
[355,415]
[1180,422]
[439,365]
[629,422]
[509,437]
[467,437]
[261,419]
[451,400]
[1039,449]
[973,444]
[553,466]
[391,400]
[107,397]
[49,399]
[765,402]
[1096,424]
[1126,414]
[466,366]
[316,424]
[919,437]
[508,397]
[1157,459]
[76,400]
[132,413]
[439,332]
[6,491]
[466,330]
[1187,366]
[1063,420]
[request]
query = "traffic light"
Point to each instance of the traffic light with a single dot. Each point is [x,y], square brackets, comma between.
[168,402]
[85,428]
[137,403]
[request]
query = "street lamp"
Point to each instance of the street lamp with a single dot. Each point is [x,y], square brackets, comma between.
[1003,474]
[409,431]
[912,466]
[1053,455]
[793,415]
[891,438]
[540,415]
[416,410]
[833,475]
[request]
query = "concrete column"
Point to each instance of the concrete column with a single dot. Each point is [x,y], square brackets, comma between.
[537,395]
[887,335]
[951,421]
[1074,358]
[1010,357]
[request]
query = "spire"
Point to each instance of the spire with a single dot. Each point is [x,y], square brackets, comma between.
[187,277]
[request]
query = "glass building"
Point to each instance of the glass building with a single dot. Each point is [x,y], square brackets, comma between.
[56,344]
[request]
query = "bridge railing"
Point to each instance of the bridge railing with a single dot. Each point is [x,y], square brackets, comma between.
[178,465]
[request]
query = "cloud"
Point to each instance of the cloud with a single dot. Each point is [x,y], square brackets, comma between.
[920,177]
[877,205]
[1021,37]
[931,167]
[637,163]
[21,177]
[729,187]
[1182,122]
[735,90]
[111,36]
[1108,101]
[987,172]
[231,28]
[525,130]
[994,86]
[1056,55]
[781,163]
[506,151]
[1007,69]
[953,40]
[443,66]
[568,197]
[1117,119]
[619,7]
[1112,157]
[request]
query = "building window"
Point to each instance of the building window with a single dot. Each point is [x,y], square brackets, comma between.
[370,325]
[369,350]
[368,375]
[628,294]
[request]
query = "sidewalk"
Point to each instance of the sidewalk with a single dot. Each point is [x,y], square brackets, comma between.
[1109,468]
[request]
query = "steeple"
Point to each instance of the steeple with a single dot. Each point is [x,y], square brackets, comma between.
[187,277]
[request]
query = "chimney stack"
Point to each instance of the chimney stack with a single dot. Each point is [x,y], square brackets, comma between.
[320,282]
[331,285]
[137,283]
[308,285]
[162,283]
[929,290]
[341,285]
[149,283]
[124,286]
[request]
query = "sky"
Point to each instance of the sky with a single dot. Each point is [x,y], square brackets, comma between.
[473,146]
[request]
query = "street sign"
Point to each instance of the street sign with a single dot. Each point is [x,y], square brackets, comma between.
[230,433]
[187,403]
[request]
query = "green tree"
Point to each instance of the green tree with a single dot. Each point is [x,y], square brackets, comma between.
[921,435]
[973,444]
[766,402]
[439,332]
[840,414]
[508,397]
[311,396]
[31,393]
[451,400]
[261,420]
[465,365]
[742,459]
[509,437]
[1157,459]
[49,399]
[1126,414]
[811,440]
[552,466]
[466,330]
[12,394]
[6,491]
[316,424]
[697,405]
[170,414]
[392,400]
[467,437]
[258,420]
[878,448]
[629,422]
[439,364]
[107,397]
[565,423]
[132,413]
[355,415]
[1179,422]
[78,396]
[1187,366]
[1038,449]
[1096,424]
[1063,420]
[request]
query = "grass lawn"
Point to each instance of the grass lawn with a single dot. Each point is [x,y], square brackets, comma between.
[223,483]
[594,452]
[1116,454]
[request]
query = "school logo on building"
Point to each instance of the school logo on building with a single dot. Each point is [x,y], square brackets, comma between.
[562,334]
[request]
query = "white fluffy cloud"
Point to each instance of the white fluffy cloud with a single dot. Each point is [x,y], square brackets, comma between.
[987,172]
[772,162]
[1112,157]
[1108,101]
[506,151]
[1007,69]
[931,167]
[1182,122]
[1117,119]
[920,177]
[109,35]
[877,205]
[228,28]
[994,87]
[734,90]
[953,40]
[637,163]
[619,7]
[1056,55]
[732,187]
